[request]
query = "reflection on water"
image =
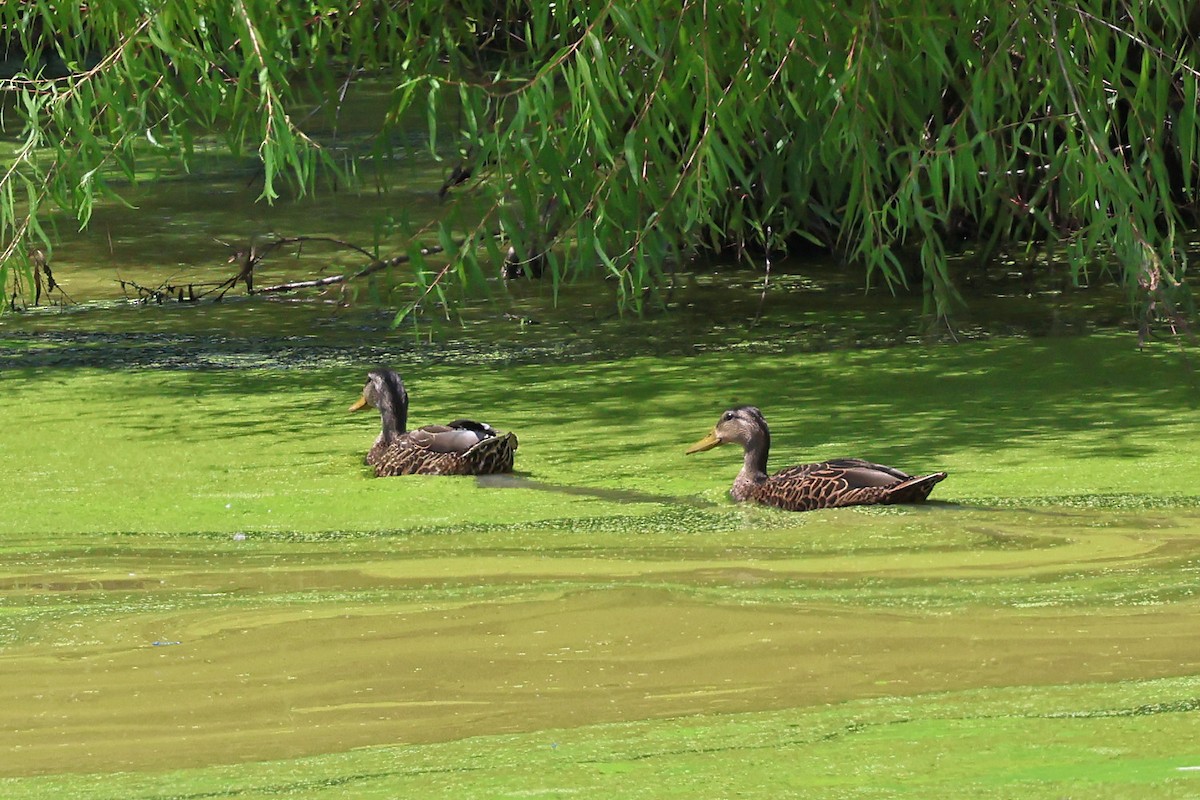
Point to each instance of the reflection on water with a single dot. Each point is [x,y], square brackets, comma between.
[524,322]
[183,232]
[282,649]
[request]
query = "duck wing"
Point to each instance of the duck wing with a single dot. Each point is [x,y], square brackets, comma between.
[443,450]
[898,486]
[842,482]
[445,439]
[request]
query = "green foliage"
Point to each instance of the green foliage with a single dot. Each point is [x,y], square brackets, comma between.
[631,134]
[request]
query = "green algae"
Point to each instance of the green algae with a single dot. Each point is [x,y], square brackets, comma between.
[198,560]
[272,451]
[995,744]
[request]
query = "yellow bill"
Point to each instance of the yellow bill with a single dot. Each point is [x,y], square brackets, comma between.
[359,404]
[707,443]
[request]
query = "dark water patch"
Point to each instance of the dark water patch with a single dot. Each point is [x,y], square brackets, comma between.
[214,351]
[517,324]
[150,351]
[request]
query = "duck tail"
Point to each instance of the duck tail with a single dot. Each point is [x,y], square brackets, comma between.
[913,490]
[494,454]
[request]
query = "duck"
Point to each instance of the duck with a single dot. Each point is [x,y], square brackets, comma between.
[806,487]
[460,447]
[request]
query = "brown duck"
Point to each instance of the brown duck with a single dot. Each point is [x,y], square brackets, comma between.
[841,482]
[461,447]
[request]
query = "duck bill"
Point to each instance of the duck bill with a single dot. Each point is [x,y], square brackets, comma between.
[707,443]
[359,404]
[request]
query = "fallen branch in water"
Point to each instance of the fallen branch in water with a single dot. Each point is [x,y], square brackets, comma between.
[43,274]
[166,291]
[250,257]
[375,266]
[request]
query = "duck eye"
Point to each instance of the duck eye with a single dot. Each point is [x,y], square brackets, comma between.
[727,416]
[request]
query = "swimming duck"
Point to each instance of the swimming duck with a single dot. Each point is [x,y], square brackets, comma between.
[841,482]
[461,447]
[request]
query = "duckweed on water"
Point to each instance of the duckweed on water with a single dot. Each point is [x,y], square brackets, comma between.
[608,622]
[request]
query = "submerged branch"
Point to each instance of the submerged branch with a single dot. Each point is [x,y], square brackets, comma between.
[331,280]
[249,258]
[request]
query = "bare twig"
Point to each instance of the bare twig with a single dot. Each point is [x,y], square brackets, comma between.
[375,266]
[248,258]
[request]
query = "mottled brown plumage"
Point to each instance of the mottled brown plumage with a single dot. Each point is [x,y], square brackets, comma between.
[840,482]
[461,447]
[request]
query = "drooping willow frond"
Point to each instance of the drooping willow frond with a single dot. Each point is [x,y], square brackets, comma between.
[621,136]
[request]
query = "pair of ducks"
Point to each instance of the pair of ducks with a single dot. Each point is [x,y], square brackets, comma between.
[466,447]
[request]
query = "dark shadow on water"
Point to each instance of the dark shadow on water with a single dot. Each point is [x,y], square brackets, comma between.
[519,481]
[654,385]
[902,406]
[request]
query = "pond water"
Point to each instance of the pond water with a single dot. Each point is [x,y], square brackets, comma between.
[130,654]
[196,571]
